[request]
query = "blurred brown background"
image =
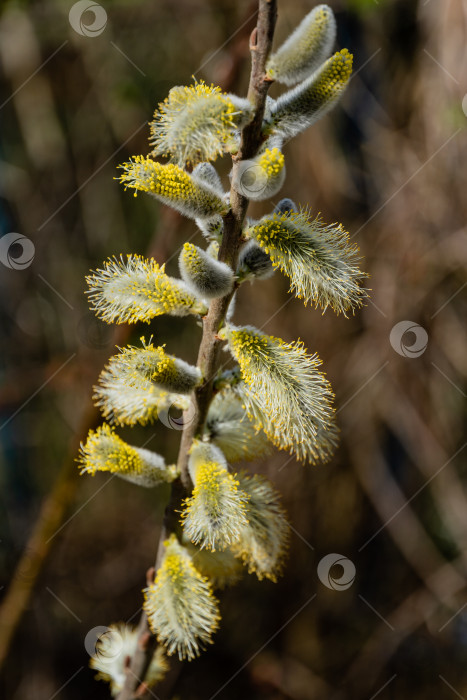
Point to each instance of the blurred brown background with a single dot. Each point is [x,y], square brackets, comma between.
[389,163]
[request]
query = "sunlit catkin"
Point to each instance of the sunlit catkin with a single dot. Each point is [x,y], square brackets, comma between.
[285,393]
[305,49]
[105,451]
[181,608]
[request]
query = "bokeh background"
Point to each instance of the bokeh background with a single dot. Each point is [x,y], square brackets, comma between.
[389,163]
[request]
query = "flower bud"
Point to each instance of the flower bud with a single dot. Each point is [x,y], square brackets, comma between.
[229,427]
[207,173]
[253,262]
[206,277]
[285,206]
[261,177]
[221,567]
[212,228]
[322,264]
[140,382]
[305,49]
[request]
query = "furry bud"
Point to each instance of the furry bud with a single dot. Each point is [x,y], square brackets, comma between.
[305,49]
[264,540]
[261,177]
[221,567]
[212,229]
[208,174]
[285,206]
[213,515]
[229,427]
[206,277]
[254,262]
[140,382]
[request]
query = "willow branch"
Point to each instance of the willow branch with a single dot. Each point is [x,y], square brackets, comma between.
[208,355]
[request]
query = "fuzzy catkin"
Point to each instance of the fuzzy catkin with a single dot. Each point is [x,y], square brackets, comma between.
[300,108]
[173,186]
[319,259]
[137,290]
[105,451]
[204,276]
[285,393]
[181,608]
[197,123]
[305,49]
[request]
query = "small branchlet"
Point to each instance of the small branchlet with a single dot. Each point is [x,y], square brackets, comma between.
[219,523]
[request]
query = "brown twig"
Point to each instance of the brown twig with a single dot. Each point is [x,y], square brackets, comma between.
[208,355]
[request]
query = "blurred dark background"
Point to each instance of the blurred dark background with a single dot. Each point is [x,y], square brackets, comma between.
[389,163]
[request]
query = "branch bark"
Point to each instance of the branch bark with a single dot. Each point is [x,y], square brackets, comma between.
[208,355]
